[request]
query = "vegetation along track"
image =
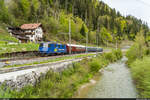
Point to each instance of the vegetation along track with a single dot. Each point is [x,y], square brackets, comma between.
[14,69]
[26,55]
[18,55]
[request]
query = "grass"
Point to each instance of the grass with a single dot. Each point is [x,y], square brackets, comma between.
[6,48]
[63,84]
[51,60]
[140,70]
[139,64]
[5,37]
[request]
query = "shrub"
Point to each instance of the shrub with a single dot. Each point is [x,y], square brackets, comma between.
[117,53]
[95,65]
[64,84]
[148,51]
[110,57]
[135,52]
[141,74]
[138,50]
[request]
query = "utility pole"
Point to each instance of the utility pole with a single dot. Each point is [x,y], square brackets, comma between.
[69,37]
[86,42]
[96,41]
[97,36]
[86,33]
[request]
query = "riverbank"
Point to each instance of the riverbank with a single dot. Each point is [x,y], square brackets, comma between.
[140,69]
[114,82]
[85,88]
[139,64]
[64,84]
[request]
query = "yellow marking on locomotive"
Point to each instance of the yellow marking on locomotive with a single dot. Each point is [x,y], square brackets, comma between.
[55,50]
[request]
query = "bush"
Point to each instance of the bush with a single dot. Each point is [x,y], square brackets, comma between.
[148,51]
[138,50]
[141,74]
[110,57]
[118,53]
[64,84]
[95,65]
[103,60]
[135,52]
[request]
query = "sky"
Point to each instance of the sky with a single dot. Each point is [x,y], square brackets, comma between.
[137,8]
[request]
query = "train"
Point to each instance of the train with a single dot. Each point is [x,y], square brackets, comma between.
[49,48]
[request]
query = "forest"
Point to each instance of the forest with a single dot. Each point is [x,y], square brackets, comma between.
[94,18]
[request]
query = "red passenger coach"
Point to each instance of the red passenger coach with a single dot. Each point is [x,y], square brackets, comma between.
[76,48]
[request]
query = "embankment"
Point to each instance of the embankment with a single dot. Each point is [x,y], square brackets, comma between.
[64,84]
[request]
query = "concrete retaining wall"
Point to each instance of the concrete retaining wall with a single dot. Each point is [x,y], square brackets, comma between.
[19,79]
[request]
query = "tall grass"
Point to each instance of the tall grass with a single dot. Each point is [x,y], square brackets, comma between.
[141,74]
[139,64]
[6,48]
[5,37]
[65,83]
[135,52]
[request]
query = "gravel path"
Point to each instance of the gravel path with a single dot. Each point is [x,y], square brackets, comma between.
[116,82]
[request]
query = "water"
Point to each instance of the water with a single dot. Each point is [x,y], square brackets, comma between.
[115,82]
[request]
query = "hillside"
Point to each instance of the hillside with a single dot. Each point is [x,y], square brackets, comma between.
[103,24]
[5,36]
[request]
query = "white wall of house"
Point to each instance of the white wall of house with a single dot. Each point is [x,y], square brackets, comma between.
[35,35]
[38,34]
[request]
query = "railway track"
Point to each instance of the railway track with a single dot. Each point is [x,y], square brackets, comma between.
[18,55]
[35,57]
[24,61]
[14,69]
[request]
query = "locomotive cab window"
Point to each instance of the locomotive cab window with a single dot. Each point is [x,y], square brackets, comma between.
[58,46]
[41,45]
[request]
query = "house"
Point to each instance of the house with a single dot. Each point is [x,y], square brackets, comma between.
[28,32]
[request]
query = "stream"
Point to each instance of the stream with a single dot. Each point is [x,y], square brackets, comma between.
[115,82]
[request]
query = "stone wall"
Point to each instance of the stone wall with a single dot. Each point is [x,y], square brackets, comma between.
[31,78]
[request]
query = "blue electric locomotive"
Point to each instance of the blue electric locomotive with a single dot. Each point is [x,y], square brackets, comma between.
[48,48]
[52,48]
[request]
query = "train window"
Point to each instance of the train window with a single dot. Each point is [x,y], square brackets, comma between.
[63,46]
[49,45]
[54,45]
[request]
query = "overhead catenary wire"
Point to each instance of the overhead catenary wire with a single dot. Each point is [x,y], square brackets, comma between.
[146,4]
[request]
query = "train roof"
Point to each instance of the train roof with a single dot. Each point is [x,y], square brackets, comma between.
[81,46]
[75,45]
[52,43]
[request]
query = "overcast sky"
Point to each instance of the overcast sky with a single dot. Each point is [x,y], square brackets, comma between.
[137,8]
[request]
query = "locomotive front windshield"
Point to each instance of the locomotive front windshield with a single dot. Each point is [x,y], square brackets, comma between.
[44,45]
[41,45]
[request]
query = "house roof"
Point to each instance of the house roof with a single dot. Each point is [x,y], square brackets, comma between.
[30,26]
